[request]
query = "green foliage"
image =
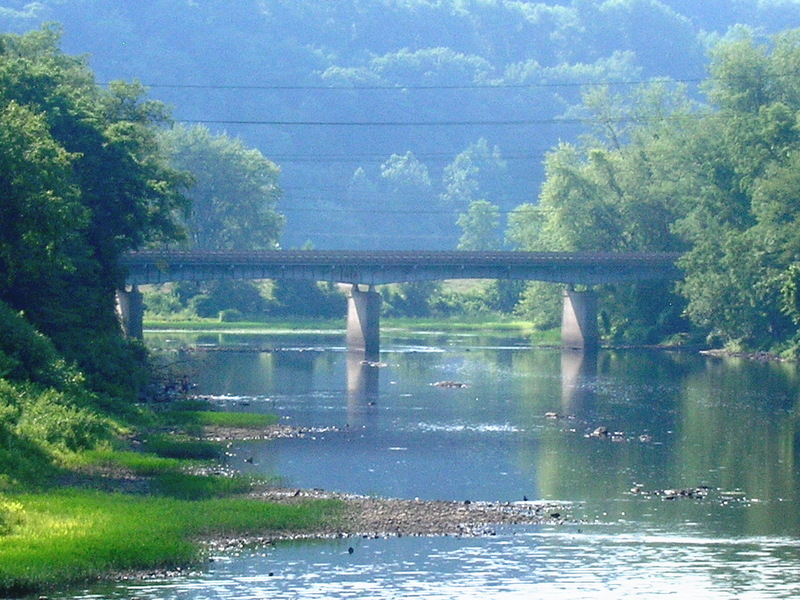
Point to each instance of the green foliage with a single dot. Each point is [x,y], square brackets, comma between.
[50,419]
[22,461]
[141,464]
[479,298]
[659,173]
[182,447]
[230,315]
[185,486]
[742,219]
[542,304]
[306,299]
[476,173]
[234,191]
[480,227]
[209,418]
[409,299]
[27,355]
[225,294]
[82,180]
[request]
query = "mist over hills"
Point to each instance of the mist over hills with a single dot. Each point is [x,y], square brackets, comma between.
[389,117]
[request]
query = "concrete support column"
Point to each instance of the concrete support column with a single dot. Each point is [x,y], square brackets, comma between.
[579,320]
[130,311]
[363,322]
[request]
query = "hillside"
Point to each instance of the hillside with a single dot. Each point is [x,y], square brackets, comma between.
[389,117]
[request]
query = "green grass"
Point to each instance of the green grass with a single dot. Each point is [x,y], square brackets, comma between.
[186,486]
[141,464]
[483,324]
[267,325]
[48,541]
[220,419]
[182,447]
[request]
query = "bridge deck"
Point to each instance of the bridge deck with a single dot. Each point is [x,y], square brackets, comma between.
[370,257]
[374,267]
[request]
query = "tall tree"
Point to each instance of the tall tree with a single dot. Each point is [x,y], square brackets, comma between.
[480,227]
[742,219]
[234,192]
[82,181]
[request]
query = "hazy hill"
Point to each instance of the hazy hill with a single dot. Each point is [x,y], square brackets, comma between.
[465,93]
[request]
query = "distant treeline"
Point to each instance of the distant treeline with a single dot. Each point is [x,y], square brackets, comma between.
[496,76]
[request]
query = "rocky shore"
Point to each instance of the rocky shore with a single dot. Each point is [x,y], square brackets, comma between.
[367,516]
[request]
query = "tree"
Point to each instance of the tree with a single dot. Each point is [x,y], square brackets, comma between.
[478,172]
[234,192]
[742,219]
[619,190]
[82,180]
[480,227]
[406,193]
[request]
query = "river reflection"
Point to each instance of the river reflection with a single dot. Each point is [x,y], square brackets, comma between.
[520,427]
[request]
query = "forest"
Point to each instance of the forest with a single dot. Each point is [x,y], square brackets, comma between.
[616,126]
[389,118]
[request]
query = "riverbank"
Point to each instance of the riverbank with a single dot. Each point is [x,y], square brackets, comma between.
[122,514]
[368,516]
[485,325]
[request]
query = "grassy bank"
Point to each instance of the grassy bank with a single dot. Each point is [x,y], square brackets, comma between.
[484,325]
[266,325]
[143,505]
[51,540]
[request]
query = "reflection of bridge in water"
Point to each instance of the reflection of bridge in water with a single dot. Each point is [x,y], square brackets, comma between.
[578,372]
[368,268]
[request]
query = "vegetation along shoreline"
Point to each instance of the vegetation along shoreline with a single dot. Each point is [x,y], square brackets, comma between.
[697,155]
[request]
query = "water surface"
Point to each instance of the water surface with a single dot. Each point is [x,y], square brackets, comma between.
[678,421]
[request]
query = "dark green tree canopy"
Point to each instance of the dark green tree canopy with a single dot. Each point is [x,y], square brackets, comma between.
[82,179]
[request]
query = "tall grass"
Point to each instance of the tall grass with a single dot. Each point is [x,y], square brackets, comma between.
[69,537]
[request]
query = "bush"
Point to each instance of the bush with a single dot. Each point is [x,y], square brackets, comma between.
[26,354]
[48,418]
[221,295]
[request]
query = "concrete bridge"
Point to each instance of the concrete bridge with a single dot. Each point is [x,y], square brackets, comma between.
[367,268]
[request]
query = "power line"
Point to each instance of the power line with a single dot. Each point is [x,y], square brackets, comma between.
[321,158]
[502,123]
[403,88]
[372,211]
[453,123]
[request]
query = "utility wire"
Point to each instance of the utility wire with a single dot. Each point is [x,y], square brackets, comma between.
[403,88]
[454,123]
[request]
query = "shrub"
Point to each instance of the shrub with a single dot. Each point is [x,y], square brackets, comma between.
[26,354]
[49,418]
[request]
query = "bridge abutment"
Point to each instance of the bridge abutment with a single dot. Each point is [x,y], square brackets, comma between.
[364,321]
[130,311]
[579,320]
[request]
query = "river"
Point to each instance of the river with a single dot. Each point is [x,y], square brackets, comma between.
[693,492]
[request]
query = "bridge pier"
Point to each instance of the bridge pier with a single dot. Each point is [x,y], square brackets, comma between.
[363,321]
[130,311]
[579,320]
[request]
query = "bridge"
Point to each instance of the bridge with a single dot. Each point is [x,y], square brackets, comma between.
[371,268]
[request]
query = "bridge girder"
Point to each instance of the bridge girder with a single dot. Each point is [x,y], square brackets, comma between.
[375,268]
